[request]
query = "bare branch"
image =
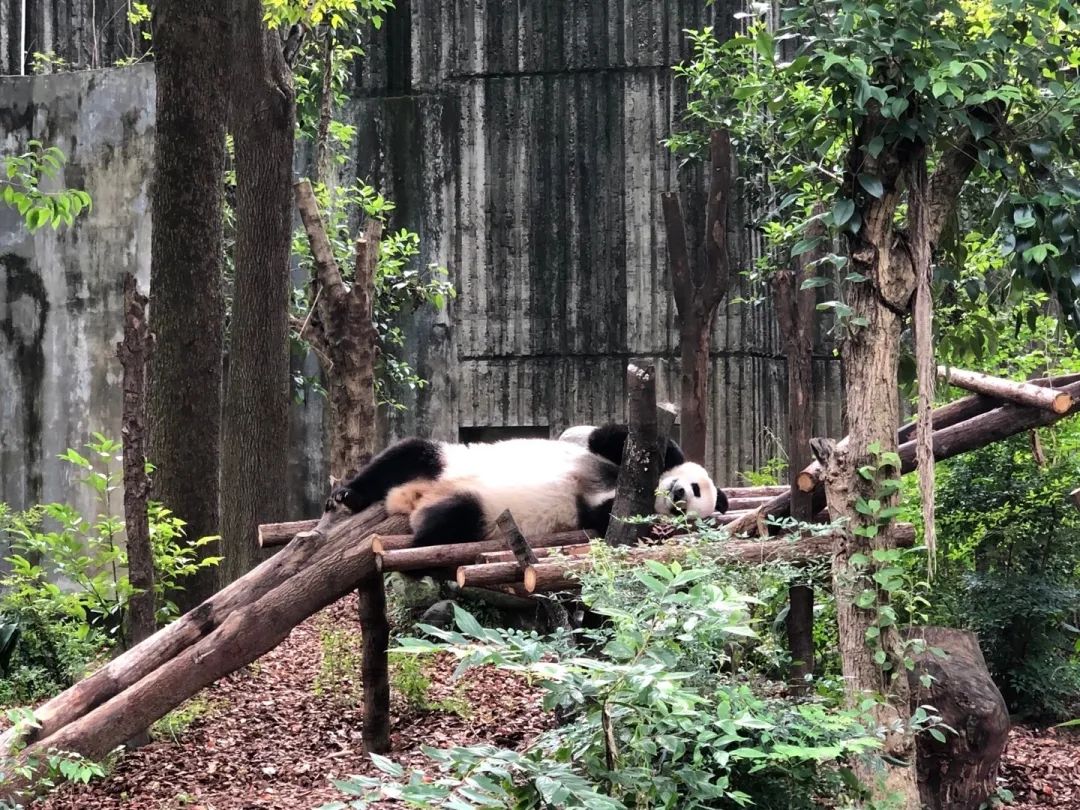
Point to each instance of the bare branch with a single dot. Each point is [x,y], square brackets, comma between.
[682,282]
[327,269]
[717,277]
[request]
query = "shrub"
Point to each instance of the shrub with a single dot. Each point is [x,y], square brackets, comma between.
[1010,549]
[662,716]
[67,590]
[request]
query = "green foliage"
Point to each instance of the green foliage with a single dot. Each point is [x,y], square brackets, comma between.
[662,716]
[399,286]
[1010,543]
[67,589]
[821,106]
[20,188]
[334,13]
[176,722]
[340,667]
[408,678]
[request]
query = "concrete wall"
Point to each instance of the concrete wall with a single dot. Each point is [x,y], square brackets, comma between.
[523,142]
[61,292]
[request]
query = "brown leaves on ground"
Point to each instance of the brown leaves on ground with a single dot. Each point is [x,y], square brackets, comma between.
[1042,768]
[264,738]
[270,735]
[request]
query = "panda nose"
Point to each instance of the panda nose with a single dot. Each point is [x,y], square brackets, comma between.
[678,493]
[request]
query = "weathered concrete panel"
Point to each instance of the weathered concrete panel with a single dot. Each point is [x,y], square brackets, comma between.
[61,292]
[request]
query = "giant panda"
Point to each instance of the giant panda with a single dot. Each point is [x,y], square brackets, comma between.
[454,492]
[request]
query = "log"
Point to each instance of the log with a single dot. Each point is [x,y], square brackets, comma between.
[754,492]
[1020,393]
[541,553]
[374,662]
[127,669]
[742,504]
[490,574]
[515,540]
[321,568]
[1074,498]
[963,409]
[381,543]
[992,426]
[549,575]
[278,534]
[455,554]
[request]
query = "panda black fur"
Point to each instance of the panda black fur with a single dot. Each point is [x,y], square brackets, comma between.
[454,492]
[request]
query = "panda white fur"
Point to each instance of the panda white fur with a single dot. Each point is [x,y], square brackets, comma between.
[454,492]
[684,485]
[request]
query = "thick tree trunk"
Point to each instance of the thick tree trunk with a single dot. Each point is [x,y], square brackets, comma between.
[256,429]
[796,316]
[134,353]
[191,51]
[870,356]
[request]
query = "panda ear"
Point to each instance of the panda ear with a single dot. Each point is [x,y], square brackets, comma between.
[721,501]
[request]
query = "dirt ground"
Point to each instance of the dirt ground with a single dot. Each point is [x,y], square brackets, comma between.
[271,735]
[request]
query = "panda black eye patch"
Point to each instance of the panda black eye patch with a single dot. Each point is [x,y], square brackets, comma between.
[697,490]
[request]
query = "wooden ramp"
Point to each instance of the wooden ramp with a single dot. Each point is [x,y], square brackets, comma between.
[234,627]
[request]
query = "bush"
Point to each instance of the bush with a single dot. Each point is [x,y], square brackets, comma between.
[1010,552]
[67,590]
[662,716]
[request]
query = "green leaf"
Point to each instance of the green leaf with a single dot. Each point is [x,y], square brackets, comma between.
[841,211]
[764,45]
[814,281]
[871,185]
[387,766]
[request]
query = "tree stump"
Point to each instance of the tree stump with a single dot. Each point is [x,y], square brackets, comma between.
[960,773]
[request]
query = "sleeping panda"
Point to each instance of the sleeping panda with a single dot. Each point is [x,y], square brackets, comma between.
[454,492]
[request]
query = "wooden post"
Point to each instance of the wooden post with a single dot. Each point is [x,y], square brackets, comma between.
[639,474]
[375,663]
[515,540]
[134,353]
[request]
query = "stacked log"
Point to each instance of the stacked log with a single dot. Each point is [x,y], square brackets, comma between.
[950,439]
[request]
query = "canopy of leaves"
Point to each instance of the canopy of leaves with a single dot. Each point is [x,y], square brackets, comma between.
[841,91]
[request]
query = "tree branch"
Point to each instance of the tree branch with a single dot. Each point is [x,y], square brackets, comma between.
[682,282]
[717,276]
[329,275]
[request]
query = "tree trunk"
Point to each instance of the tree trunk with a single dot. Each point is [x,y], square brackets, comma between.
[256,429]
[191,47]
[134,353]
[870,356]
[639,474]
[796,317]
[698,294]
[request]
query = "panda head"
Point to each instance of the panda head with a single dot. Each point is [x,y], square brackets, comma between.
[687,488]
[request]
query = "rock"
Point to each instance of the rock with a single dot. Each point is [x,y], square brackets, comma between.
[961,772]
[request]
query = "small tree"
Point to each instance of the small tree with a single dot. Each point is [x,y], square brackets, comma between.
[904,119]
[699,287]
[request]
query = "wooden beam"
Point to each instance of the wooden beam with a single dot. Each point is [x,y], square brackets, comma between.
[552,574]
[412,558]
[1020,393]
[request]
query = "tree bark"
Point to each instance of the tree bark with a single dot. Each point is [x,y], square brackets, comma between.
[191,45]
[344,336]
[256,416]
[639,475]
[796,317]
[698,294]
[134,353]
